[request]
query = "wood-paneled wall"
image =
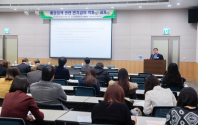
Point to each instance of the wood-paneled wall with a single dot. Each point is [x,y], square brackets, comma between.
[189,70]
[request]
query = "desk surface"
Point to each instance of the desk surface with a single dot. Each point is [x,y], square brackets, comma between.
[72,116]
[94,99]
[142,120]
[51,115]
[77,98]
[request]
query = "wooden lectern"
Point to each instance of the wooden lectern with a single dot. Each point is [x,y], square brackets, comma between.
[154,66]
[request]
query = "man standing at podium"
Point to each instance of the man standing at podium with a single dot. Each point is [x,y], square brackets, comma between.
[156,55]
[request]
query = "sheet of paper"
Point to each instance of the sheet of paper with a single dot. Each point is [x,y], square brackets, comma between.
[84,119]
[140,91]
[155,122]
[140,103]
[70,97]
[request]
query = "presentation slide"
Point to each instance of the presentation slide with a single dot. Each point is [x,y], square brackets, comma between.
[81,38]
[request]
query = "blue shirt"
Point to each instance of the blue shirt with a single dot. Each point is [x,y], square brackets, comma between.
[155,56]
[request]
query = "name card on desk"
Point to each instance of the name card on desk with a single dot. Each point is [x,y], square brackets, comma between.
[155,122]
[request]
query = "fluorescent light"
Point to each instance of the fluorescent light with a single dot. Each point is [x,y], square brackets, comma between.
[15,9]
[61,8]
[178,3]
[169,5]
[112,7]
[140,6]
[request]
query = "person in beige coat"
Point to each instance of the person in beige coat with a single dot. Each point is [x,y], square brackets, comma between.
[37,63]
[123,81]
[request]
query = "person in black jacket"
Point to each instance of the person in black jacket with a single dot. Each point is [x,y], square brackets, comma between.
[156,55]
[173,77]
[61,72]
[24,67]
[3,67]
[101,74]
[112,110]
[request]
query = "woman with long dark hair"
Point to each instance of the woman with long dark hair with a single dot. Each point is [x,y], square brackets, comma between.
[112,110]
[155,95]
[90,80]
[123,81]
[173,77]
[186,111]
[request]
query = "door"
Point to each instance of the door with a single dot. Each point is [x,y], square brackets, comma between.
[1,47]
[10,52]
[168,46]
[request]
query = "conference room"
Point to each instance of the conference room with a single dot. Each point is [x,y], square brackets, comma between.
[94,62]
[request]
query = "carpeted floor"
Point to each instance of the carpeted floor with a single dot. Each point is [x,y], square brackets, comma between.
[193,85]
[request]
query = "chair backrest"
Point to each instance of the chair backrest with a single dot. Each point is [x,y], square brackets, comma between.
[102,84]
[77,76]
[11,121]
[62,82]
[144,75]
[161,111]
[1,101]
[110,66]
[114,74]
[137,79]
[44,64]
[172,88]
[51,106]
[77,65]
[24,74]
[84,91]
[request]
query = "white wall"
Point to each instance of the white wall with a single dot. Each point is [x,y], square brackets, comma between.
[131,33]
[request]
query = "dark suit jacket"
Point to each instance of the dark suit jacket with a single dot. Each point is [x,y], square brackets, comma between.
[158,55]
[3,70]
[62,73]
[23,68]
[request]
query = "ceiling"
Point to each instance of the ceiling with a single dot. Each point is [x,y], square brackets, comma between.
[21,5]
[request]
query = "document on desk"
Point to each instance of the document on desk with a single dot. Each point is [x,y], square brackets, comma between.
[140,103]
[86,119]
[155,122]
[139,91]
[70,97]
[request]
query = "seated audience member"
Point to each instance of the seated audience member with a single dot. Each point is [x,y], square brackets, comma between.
[34,76]
[6,82]
[155,95]
[186,111]
[17,103]
[112,110]
[24,67]
[3,67]
[61,72]
[101,74]
[123,81]
[90,80]
[173,77]
[84,68]
[37,63]
[46,92]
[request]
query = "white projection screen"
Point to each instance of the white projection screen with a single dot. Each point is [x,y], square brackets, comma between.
[81,38]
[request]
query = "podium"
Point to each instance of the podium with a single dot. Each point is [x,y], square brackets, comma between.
[154,66]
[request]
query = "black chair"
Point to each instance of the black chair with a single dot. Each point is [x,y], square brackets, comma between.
[11,121]
[77,76]
[1,101]
[84,91]
[140,81]
[102,84]
[161,111]
[62,82]
[24,74]
[114,74]
[145,75]
[173,88]
[51,106]
[2,76]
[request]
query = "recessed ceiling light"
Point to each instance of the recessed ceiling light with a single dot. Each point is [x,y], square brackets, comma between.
[169,5]
[61,8]
[112,7]
[178,3]
[15,9]
[140,6]
[86,8]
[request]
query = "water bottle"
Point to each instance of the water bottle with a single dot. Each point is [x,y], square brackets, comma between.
[48,63]
[82,64]
[15,63]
